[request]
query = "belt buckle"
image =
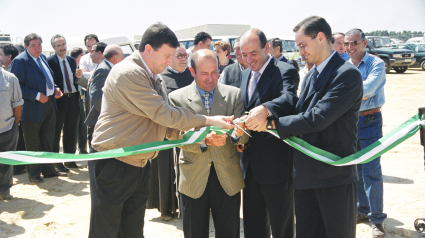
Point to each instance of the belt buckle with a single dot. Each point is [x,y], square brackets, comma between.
[69,95]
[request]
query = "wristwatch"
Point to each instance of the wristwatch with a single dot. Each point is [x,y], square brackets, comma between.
[269,123]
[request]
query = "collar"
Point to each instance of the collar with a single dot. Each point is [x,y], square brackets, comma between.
[154,76]
[365,58]
[280,57]
[265,65]
[202,92]
[60,58]
[7,68]
[175,71]
[35,59]
[109,62]
[322,65]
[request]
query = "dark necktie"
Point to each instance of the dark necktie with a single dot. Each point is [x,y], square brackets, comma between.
[207,102]
[312,80]
[68,84]
[48,81]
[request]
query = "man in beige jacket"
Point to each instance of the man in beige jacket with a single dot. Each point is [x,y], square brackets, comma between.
[135,110]
[210,174]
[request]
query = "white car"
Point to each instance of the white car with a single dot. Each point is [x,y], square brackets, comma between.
[290,49]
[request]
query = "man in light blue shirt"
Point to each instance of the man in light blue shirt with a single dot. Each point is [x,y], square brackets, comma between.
[370,185]
[338,44]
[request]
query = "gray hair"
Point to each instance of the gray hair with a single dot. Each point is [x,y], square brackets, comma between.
[356,31]
[54,37]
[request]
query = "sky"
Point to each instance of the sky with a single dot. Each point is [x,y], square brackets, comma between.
[132,17]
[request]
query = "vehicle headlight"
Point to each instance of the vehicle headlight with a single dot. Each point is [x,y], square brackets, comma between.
[397,56]
[412,55]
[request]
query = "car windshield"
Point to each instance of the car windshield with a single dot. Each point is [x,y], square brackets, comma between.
[381,42]
[419,48]
[287,47]
[126,50]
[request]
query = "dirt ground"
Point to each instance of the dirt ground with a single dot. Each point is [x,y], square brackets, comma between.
[61,206]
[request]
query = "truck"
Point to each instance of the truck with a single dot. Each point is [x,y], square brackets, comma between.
[5,38]
[397,59]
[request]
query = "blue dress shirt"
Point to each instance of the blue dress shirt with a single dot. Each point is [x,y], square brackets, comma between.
[373,73]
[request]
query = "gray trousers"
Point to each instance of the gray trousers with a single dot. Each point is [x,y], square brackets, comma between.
[8,142]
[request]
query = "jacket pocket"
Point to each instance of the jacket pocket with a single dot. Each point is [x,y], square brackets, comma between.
[185,160]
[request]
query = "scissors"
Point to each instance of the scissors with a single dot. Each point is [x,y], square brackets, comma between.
[241,129]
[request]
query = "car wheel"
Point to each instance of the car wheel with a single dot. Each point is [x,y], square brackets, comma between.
[423,65]
[401,70]
[387,66]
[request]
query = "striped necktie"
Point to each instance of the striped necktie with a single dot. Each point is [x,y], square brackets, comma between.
[207,102]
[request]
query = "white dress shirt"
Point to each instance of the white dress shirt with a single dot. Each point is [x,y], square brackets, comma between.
[49,92]
[87,63]
[70,76]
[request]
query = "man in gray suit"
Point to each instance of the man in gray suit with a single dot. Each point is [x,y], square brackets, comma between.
[112,55]
[210,174]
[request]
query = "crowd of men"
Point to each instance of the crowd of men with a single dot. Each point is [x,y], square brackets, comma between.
[333,103]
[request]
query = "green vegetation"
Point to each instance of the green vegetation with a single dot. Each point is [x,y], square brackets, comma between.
[405,35]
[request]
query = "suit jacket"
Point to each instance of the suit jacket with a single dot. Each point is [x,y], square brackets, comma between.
[135,110]
[270,158]
[95,92]
[32,81]
[54,64]
[326,117]
[195,164]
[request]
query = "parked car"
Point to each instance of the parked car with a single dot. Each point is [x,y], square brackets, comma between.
[136,44]
[71,42]
[290,49]
[419,50]
[414,40]
[188,42]
[396,41]
[397,59]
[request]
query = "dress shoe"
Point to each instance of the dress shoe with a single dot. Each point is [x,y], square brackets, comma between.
[36,180]
[166,216]
[362,218]
[378,230]
[19,171]
[73,165]
[61,174]
[61,168]
[6,197]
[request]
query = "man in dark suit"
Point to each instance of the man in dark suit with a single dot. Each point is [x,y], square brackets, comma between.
[65,76]
[326,117]
[39,92]
[276,49]
[267,161]
[112,55]
[232,73]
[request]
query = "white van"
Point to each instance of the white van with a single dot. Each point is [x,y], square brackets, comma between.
[290,49]
[188,42]
[71,42]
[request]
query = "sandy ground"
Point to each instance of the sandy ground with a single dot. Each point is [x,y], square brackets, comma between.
[61,206]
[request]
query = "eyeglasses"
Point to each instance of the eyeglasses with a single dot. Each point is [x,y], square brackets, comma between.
[304,46]
[182,56]
[352,43]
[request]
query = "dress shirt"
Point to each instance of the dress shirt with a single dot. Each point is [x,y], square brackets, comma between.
[154,76]
[87,63]
[373,73]
[10,97]
[261,71]
[49,92]
[280,57]
[345,56]
[303,72]
[322,65]
[7,68]
[70,75]
[109,62]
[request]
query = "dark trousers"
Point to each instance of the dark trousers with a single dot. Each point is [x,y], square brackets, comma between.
[81,135]
[118,192]
[90,130]
[39,136]
[265,206]
[326,212]
[8,142]
[18,169]
[68,113]
[224,209]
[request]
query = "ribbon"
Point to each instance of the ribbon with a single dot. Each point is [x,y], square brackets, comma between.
[386,143]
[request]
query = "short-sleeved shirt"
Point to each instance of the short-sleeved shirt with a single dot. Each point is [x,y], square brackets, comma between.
[10,97]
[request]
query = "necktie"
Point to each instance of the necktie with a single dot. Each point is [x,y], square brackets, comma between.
[207,102]
[48,81]
[312,80]
[68,84]
[253,84]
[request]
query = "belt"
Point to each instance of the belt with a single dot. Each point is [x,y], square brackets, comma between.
[369,112]
[49,97]
[70,94]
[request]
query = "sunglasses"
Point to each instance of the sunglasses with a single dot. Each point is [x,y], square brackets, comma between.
[352,43]
[182,56]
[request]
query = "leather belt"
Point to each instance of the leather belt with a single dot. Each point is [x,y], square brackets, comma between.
[369,112]
[70,94]
[49,97]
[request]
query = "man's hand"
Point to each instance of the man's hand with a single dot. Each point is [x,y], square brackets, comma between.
[222,122]
[240,148]
[43,98]
[364,99]
[85,70]
[78,73]
[257,117]
[58,93]
[239,132]
[212,139]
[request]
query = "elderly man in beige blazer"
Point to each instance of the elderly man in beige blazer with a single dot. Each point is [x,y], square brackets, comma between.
[210,174]
[135,110]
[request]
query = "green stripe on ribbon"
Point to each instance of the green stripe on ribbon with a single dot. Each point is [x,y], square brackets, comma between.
[386,143]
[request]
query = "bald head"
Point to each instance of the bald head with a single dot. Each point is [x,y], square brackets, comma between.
[200,55]
[254,48]
[113,53]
